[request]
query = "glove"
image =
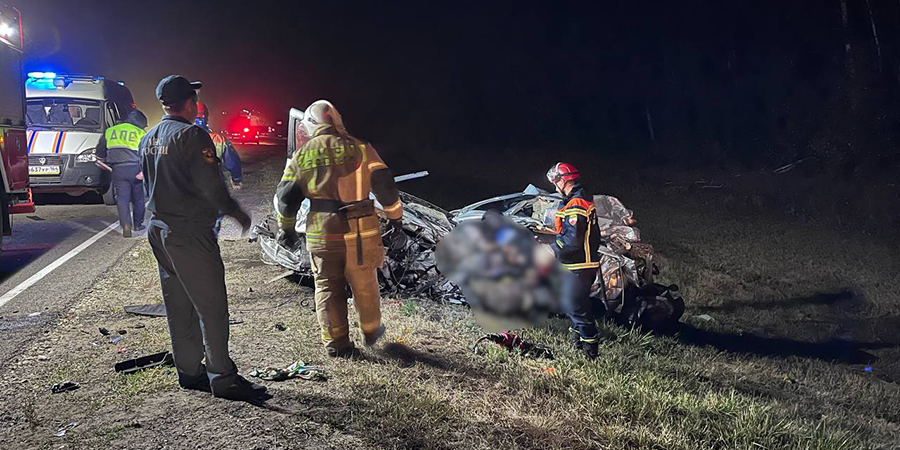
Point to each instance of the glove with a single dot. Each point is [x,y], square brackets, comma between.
[398,239]
[287,238]
[241,216]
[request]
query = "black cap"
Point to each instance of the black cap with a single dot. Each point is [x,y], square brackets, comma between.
[175,89]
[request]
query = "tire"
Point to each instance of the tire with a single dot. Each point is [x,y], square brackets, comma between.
[109,197]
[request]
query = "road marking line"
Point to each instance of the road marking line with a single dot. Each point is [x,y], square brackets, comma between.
[52,266]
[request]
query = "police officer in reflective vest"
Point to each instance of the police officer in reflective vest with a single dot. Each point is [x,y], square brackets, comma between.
[225,151]
[186,194]
[336,172]
[577,244]
[118,148]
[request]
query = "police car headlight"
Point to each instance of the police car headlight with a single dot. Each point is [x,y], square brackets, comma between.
[87,156]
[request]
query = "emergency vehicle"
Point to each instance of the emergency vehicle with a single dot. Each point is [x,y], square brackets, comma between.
[67,115]
[15,197]
[248,126]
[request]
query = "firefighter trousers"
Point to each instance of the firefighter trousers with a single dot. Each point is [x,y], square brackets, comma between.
[582,309]
[334,266]
[192,276]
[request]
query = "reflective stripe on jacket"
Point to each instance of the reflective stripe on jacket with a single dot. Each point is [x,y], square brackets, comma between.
[577,232]
[337,168]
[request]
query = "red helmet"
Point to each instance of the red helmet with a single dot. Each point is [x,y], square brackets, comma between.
[562,171]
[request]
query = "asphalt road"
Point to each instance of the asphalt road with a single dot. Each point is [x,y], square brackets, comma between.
[41,239]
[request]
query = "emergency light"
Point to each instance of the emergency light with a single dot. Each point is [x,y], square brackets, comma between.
[42,75]
[6,30]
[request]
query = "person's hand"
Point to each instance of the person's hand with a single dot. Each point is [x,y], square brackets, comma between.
[140,176]
[236,185]
[287,238]
[398,238]
[244,219]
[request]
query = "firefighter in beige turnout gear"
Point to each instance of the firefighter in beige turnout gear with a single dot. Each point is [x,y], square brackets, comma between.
[336,172]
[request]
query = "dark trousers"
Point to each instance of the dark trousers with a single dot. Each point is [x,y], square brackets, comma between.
[192,276]
[129,193]
[583,309]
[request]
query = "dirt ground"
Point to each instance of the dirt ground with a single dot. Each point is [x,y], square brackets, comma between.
[790,342]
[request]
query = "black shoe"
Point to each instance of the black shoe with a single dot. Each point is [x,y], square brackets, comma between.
[242,390]
[126,231]
[590,349]
[349,352]
[198,383]
[371,339]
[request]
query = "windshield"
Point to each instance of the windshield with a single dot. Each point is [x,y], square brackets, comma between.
[63,113]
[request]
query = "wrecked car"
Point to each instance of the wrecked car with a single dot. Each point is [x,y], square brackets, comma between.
[410,271]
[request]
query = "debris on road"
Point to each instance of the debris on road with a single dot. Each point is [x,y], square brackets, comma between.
[298,369]
[704,317]
[145,362]
[235,321]
[122,331]
[43,357]
[139,325]
[64,386]
[152,310]
[512,341]
[116,339]
[65,428]
[104,331]
[280,326]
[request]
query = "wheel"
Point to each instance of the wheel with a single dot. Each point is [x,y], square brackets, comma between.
[109,197]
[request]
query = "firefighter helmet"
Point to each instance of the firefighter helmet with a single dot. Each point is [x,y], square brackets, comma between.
[562,171]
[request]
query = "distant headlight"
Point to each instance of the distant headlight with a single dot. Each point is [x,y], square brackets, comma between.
[87,156]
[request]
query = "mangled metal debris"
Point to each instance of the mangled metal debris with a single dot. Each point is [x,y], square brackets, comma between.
[624,283]
[410,271]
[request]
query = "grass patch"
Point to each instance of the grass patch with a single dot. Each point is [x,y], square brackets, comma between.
[132,388]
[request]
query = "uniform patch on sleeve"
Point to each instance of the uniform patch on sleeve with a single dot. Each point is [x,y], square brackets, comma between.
[573,220]
[209,154]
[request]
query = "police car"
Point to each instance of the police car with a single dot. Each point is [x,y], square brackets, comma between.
[66,116]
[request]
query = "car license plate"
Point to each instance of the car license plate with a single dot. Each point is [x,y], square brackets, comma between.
[43,170]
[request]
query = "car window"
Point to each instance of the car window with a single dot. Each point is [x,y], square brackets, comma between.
[63,113]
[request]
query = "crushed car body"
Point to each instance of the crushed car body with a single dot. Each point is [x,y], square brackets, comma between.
[624,284]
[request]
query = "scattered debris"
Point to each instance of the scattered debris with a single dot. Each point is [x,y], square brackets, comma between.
[280,326]
[43,357]
[116,339]
[121,349]
[63,429]
[704,317]
[152,310]
[298,369]
[122,331]
[145,362]
[64,386]
[34,314]
[235,321]
[512,341]
[139,325]
[104,331]
[868,369]
[250,289]
[36,218]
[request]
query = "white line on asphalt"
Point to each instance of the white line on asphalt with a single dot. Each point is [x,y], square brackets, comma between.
[50,267]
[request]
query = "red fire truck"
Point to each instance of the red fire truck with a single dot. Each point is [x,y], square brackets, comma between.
[15,197]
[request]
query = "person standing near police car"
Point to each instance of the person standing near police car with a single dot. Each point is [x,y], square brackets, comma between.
[336,172]
[185,194]
[118,149]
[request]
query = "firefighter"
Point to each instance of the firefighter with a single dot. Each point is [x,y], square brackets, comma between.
[118,148]
[225,151]
[185,195]
[336,172]
[577,244]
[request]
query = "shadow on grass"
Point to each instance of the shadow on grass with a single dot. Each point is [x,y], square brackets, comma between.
[843,296]
[838,350]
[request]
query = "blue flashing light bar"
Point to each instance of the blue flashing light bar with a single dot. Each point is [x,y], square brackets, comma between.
[42,75]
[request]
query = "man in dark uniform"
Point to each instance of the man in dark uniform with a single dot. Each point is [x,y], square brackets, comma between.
[186,192]
[577,248]
[118,148]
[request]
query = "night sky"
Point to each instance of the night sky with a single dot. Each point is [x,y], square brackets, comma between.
[756,82]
